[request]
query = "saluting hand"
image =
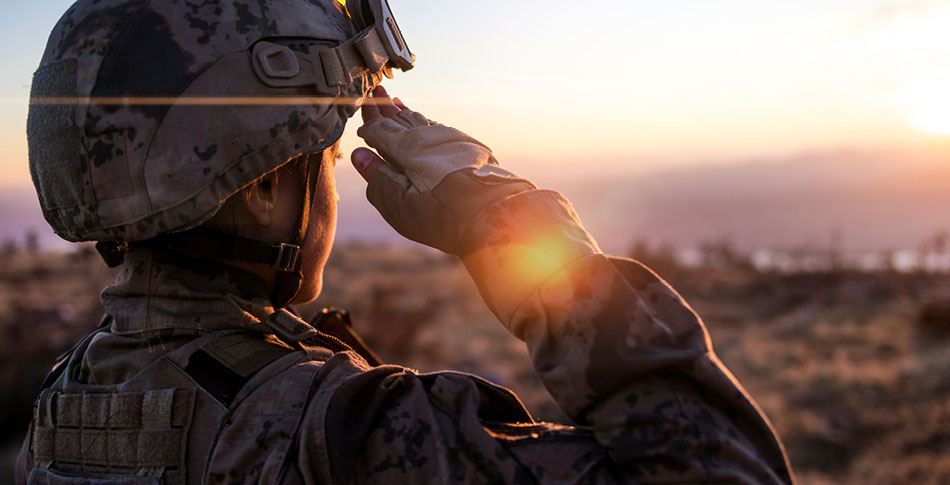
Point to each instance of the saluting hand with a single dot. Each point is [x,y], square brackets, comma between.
[431,180]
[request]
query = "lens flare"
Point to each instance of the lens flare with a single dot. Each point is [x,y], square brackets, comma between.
[542,259]
[926,100]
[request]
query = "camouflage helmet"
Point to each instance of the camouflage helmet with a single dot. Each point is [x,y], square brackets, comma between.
[145,116]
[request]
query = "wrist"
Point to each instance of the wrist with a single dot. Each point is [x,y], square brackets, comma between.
[515,245]
[468,192]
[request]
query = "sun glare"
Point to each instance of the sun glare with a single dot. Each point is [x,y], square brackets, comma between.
[927,103]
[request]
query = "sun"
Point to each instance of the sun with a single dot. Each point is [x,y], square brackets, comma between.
[926,100]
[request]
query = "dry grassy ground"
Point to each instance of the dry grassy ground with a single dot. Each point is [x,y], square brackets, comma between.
[852,368]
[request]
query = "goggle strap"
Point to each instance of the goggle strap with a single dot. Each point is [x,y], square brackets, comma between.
[353,58]
[329,71]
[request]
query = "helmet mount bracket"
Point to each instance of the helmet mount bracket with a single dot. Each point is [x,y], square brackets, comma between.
[377,14]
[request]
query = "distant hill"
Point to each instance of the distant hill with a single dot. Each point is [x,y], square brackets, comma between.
[873,201]
[20,214]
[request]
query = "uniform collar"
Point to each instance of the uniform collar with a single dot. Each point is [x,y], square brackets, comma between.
[157,290]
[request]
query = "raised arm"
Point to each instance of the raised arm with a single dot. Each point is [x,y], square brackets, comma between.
[618,349]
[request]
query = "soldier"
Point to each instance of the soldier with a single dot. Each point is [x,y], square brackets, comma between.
[200,155]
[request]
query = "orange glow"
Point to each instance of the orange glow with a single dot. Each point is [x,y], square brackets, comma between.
[526,265]
[532,264]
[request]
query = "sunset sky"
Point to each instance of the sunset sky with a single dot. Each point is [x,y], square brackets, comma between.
[559,87]
[620,84]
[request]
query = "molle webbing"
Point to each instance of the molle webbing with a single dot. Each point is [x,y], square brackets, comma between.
[144,431]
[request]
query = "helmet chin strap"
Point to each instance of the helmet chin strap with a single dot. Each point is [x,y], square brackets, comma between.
[285,258]
[288,283]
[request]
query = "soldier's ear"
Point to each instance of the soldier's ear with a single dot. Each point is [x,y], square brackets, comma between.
[259,201]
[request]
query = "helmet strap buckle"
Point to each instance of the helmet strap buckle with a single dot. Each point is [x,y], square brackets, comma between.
[288,256]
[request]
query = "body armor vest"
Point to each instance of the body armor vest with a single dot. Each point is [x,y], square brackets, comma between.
[164,425]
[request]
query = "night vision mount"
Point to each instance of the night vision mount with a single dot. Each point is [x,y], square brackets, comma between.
[378,47]
[376,13]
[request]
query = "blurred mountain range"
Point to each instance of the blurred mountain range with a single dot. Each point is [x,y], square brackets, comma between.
[862,201]
[857,201]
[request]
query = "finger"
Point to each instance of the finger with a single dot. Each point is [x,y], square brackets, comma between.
[370,111]
[398,102]
[366,162]
[384,103]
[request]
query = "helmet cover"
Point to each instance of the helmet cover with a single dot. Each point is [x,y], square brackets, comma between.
[137,165]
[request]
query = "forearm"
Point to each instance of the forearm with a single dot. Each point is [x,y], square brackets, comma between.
[617,348]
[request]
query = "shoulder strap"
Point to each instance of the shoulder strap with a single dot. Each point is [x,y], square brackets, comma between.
[244,353]
[224,364]
[330,329]
[61,364]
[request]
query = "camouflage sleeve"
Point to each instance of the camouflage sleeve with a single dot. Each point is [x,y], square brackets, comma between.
[619,350]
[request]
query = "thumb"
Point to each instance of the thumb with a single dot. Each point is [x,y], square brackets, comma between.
[366,162]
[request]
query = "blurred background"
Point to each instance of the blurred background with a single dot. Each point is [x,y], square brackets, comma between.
[785,165]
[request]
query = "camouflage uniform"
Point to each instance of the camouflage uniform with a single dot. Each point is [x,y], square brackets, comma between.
[619,350]
[196,378]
